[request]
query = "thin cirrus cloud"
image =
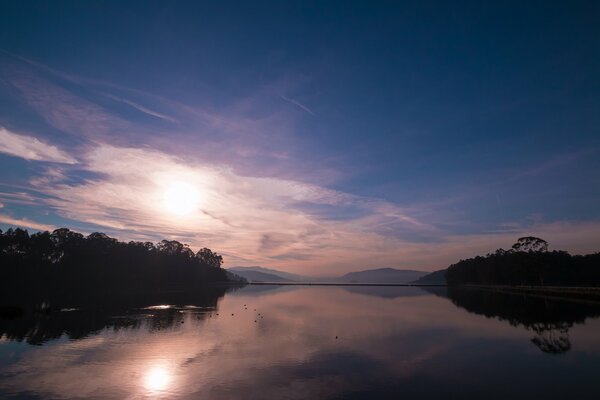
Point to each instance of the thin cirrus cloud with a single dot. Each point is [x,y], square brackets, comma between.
[25,223]
[298,104]
[31,148]
[255,135]
[142,108]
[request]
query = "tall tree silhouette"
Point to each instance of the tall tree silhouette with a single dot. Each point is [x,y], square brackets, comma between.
[530,244]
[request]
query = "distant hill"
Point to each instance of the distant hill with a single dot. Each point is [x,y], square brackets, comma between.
[382,275]
[434,278]
[286,276]
[257,276]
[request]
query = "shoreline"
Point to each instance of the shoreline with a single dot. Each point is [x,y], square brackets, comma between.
[563,292]
[339,284]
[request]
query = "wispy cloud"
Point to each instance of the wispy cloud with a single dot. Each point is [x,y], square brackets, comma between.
[20,196]
[298,104]
[31,148]
[141,108]
[24,223]
[553,163]
[62,110]
[252,134]
[50,176]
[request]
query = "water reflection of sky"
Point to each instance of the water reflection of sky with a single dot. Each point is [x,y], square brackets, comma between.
[306,343]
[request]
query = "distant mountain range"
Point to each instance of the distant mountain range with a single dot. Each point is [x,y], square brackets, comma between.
[380,275]
[257,276]
[261,274]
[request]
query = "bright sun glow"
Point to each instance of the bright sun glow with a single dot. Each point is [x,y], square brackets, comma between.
[181,198]
[157,379]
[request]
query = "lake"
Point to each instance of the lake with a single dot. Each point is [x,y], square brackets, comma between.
[305,342]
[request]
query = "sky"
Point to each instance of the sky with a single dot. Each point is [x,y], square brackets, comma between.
[311,137]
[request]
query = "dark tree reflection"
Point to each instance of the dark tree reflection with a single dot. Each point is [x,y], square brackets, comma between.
[548,318]
[552,338]
[77,318]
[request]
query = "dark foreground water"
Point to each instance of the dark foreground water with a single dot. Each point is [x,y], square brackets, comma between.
[269,342]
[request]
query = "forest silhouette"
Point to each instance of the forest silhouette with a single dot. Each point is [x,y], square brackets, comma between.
[67,262]
[528,262]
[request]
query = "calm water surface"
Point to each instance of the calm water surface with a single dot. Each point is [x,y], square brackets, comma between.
[282,342]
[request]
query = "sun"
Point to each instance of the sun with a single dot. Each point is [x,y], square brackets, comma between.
[181,198]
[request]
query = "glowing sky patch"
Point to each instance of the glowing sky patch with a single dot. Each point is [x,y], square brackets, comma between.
[181,198]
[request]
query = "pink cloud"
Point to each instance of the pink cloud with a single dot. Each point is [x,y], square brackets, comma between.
[31,148]
[25,223]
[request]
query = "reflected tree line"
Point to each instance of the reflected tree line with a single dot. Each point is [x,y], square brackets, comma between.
[548,318]
[62,315]
[528,262]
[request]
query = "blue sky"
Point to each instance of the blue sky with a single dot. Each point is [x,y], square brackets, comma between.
[315,137]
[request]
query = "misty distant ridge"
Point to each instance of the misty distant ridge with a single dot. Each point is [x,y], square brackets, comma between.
[383,275]
[261,274]
[257,276]
[379,275]
[433,278]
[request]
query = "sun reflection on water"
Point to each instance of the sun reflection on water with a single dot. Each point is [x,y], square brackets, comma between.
[157,379]
[158,307]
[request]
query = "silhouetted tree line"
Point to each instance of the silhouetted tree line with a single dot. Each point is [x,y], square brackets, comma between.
[528,262]
[64,260]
